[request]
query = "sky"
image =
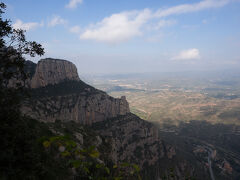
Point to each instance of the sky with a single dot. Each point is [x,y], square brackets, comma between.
[129,36]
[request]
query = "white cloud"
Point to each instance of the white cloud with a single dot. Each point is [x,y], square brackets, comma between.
[188,8]
[75,29]
[73,3]
[118,27]
[126,25]
[26,26]
[56,20]
[189,54]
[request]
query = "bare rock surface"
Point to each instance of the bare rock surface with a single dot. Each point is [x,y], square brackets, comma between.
[59,94]
[53,71]
[76,107]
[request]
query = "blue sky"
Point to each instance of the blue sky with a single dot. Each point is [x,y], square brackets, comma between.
[109,36]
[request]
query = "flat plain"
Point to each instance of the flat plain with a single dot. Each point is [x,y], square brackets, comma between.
[180,97]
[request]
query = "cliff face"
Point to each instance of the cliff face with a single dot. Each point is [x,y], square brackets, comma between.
[53,71]
[59,94]
[137,141]
[76,107]
[133,140]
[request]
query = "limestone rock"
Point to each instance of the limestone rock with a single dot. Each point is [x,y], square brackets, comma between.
[80,108]
[53,71]
[133,139]
[79,102]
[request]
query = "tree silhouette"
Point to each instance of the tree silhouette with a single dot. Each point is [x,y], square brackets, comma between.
[13,48]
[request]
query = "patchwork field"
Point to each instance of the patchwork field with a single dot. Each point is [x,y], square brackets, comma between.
[175,106]
[178,99]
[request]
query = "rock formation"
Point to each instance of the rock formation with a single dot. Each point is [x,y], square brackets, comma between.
[79,102]
[76,107]
[133,140]
[53,71]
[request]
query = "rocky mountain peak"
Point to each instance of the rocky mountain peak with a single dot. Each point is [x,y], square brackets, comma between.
[53,71]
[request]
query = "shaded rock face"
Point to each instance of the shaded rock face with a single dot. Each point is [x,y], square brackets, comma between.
[53,71]
[76,107]
[133,140]
[61,95]
[137,141]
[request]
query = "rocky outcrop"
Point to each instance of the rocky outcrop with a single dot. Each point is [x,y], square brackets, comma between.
[137,141]
[76,107]
[53,71]
[59,94]
[133,139]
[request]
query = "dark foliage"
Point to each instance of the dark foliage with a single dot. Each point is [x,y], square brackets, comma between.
[20,154]
[63,88]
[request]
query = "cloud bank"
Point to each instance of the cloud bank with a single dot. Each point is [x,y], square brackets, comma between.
[189,8]
[126,25]
[118,27]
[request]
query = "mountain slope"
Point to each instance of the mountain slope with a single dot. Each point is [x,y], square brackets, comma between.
[131,139]
[66,97]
